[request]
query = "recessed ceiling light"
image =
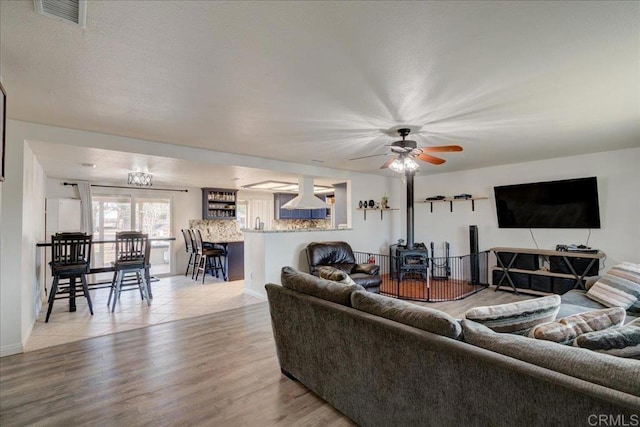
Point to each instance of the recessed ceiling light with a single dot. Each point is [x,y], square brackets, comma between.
[89,165]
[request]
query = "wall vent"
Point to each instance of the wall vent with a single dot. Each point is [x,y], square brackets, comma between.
[74,11]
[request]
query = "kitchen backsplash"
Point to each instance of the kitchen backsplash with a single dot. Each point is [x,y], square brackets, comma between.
[222,230]
[293,224]
[218,230]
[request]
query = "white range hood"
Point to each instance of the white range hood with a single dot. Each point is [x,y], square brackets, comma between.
[305,198]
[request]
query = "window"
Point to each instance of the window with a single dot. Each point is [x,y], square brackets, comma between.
[150,215]
[241,213]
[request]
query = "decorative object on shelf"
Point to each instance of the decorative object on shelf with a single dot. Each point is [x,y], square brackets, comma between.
[141,179]
[463,196]
[371,203]
[360,204]
[385,202]
[434,198]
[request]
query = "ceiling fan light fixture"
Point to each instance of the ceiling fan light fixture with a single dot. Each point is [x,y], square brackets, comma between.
[410,165]
[397,166]
[404,164]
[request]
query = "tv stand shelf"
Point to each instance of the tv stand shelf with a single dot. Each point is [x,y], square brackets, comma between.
[520,268]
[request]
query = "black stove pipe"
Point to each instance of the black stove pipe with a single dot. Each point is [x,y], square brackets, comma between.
[410,242]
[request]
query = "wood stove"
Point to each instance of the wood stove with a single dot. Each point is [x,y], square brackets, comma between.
[413,262]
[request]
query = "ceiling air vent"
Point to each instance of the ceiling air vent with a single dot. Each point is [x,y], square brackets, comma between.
[74,11]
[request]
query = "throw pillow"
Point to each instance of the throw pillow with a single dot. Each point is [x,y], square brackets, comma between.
[317,287]
[404,312]
[516,317]
[619,287]
[623,341]
[567,329]
[331,273]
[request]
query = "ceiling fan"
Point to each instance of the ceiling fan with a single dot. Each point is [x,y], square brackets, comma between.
[406,150]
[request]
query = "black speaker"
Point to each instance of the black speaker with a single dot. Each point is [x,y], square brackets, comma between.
[473,239]
[473,250]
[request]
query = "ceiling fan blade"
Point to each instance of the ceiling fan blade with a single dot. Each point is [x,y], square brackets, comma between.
[366,157]
[442,148]
[431,159]
[387,163]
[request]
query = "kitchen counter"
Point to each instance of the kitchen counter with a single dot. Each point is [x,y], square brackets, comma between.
[211,238]
[295,230]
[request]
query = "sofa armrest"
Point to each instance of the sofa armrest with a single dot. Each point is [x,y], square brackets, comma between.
[371,269]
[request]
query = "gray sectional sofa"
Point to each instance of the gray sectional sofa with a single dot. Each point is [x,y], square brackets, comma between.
[383,372]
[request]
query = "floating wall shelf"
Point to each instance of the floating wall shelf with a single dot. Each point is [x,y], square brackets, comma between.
[450,200]
[375,209]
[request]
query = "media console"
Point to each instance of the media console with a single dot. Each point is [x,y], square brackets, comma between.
[542,270]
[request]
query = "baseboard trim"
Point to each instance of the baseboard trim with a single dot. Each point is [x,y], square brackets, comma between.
[11,349]
[255,294]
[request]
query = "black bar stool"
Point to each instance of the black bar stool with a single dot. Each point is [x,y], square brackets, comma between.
[132,253]
[209,259]
[190,249]
[70,259]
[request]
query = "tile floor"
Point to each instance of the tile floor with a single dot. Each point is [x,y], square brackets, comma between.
[174,298]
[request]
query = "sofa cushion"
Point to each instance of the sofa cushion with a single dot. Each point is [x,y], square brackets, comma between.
[619,287]
[567,329]
[517,317]
[613,372]
[623,341]
[404,312]
[317,287]
[335,275]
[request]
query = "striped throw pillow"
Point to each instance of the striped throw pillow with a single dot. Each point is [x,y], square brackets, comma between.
[568,328]
[620,287]
[623,341]
[516,317]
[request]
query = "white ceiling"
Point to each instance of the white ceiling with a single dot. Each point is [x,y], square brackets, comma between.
[317,83]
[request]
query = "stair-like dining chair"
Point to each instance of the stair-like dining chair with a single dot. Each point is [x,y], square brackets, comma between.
[190,249]
[132,253]
[209,259]
[70,259]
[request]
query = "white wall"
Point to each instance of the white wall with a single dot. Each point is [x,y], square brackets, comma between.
[618,174]
[22,227]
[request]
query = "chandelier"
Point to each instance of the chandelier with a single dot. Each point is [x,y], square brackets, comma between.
[141,179]
[404,164]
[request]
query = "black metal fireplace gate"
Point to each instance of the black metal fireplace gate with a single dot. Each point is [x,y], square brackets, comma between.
[422,279]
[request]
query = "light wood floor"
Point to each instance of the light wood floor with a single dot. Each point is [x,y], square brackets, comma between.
[174,298]
[219,369]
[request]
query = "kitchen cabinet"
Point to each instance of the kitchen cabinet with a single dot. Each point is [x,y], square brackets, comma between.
[218,203]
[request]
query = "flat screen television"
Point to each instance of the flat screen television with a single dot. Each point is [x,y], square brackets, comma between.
[570,203]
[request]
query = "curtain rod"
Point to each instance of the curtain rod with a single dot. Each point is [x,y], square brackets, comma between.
[129,188]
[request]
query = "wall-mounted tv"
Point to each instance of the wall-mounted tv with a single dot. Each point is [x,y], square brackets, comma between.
[570,203]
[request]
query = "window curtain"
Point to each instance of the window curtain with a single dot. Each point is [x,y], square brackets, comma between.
[84,188]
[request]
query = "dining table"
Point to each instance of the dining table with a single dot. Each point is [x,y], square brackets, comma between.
[104,269]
